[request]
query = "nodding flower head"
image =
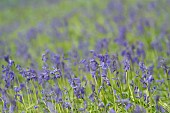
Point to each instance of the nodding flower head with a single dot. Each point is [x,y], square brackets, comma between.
[8,60]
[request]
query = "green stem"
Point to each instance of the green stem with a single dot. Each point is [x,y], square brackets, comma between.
[130,91]
[35,95]
[22,93]
[28,94]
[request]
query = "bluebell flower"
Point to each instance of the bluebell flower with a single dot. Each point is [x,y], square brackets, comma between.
[51,107]
[66,105]
[100,89]
[150,79]
[121,36]
[18,67]
[156,45]
[136,90]
[93,87]
[31,33]
[22,49]
[123,101]
[126,64]
[101,105]
[93,65]
[20,97]
[13,106]
[142,67]
[100,28]
[101,45]
[135,60]
[16,89]
[118,18]
[44,56]
[5,106]
[146,98]
[128,106]
[162,64]
[8,60]
[56,23]
[140,28]
[139,109]
[150,70]
[168,48]
[84,108]
[152,5]
[91,97]
[112,110]
[35,107]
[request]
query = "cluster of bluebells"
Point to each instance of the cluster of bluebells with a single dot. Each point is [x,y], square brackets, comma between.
[120,74]
[97,75]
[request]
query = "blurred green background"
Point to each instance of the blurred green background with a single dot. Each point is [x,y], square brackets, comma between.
[29,27]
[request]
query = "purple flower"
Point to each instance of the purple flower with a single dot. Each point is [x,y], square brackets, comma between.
[93,87]
[112,110]
[22,49]
[126,64]
[5,106]
[18,67]
[12,106]
[118,18]
[100,89]
[128,106]
[104,73]
[93,65]
[9,61]
[157,99]
[150,79]
[146,98]
[105,79]
[157,45]
[79,92]
[35,107]
[100,28]
[114,66]
[162,64]
[66,105]
[135,59]
[51,107]
[136,90]
[122,36]
[16,89]
[20,98]
[150,70]
[140,28]
[168,48]
[123,101]
[31,33]
[91,97]
[142,66]
[44,56]
[22,85]
[102,45]
[56,23]
[75,82]
[152,5]
[6,58]
[139,109]
[140,51]
[101,105]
